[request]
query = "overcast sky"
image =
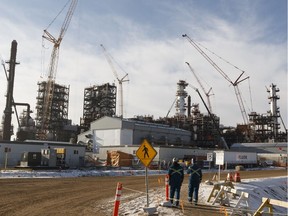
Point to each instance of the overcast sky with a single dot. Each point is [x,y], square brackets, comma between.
[145,39]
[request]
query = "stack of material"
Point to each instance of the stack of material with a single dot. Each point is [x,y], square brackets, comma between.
[118,158]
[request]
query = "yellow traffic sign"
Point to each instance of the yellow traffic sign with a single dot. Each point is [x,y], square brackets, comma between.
[146,153]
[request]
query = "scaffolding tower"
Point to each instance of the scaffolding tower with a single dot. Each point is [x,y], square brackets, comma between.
[53,128]
[99,101]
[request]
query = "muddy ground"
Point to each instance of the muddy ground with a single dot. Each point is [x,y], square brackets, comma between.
[86,196]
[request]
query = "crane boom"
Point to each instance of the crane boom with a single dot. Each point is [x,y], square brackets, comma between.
[222,140]
[207,93]
[235,83]
[49,89]
[120,81]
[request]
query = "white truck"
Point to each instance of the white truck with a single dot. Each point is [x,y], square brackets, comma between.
[230,159]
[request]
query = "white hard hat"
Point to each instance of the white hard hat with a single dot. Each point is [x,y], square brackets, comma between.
[175,159]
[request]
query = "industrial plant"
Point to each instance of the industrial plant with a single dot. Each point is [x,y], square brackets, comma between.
[189,132]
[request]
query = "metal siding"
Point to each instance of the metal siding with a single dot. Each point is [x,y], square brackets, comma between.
[17,149]
[106,123]
[107,137]
[126,137]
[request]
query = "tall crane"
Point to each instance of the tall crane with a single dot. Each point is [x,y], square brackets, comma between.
[49,90]
[120,81]
[234,84]
[222,140]
[207,93]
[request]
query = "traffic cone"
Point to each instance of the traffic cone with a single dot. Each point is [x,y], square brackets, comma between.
[117,199]
[229,177]
[237,177]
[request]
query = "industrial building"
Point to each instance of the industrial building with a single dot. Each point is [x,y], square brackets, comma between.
[114,131]
[41,154]
[99,101]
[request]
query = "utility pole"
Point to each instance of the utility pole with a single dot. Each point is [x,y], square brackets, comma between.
[9,98]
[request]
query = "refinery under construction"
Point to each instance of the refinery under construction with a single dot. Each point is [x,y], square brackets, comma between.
[188,127]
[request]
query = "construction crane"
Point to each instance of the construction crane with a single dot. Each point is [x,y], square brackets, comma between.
[49,90]
[207,93]
[120,81]
[222,140]
[235,83]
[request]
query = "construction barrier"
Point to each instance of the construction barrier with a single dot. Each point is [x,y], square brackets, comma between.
[268,203]
[117,199]
[167,187]
[217,188]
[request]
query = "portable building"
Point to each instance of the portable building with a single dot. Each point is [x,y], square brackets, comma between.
[11,153]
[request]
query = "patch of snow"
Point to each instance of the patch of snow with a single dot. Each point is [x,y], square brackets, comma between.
[134,203]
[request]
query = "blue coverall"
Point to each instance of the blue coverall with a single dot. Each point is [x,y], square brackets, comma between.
[176,177]
[194,181]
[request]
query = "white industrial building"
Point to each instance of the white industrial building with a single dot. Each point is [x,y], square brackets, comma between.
[126,135]
[113,131]
[12,153]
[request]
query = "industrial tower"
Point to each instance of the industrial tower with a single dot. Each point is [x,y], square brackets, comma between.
[99,101]
[58,111]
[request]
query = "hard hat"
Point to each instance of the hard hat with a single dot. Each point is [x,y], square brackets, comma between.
[175,160]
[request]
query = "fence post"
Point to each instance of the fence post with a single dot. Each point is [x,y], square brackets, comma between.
[117,199]
[167,187]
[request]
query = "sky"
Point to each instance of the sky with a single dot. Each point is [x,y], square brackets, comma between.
[144,38]
[133,203]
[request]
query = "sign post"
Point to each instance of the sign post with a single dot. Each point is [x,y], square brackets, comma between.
[146,153]
[219,161]
[210,158]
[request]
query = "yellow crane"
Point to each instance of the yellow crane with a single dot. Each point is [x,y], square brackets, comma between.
[207,93]
[234,84]
[120,81]
[48,95]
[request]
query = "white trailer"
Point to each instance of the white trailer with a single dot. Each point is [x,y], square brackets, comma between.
[231,159]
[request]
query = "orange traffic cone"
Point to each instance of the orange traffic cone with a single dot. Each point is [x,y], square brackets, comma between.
[237,177]
[229,177]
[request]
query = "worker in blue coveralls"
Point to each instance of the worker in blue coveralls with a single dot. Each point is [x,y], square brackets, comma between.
[195,179]
[176,177]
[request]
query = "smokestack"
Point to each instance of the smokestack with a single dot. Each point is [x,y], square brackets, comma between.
[9,97]
[189,106]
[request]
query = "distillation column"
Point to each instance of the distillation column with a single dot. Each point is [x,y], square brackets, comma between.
[180,102]
[274,110]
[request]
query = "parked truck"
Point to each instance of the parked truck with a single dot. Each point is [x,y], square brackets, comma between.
[231,159]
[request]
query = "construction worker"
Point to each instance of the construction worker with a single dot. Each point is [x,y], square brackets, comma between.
[194,181]
[176,177]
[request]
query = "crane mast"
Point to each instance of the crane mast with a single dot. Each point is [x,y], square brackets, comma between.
[207,93]
[49,89]
[120,81]
[234,84]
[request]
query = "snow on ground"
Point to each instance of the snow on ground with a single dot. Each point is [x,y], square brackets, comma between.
[133,203]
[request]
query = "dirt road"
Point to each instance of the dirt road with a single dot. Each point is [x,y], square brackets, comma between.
[83,196]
